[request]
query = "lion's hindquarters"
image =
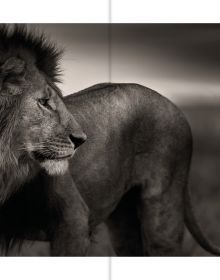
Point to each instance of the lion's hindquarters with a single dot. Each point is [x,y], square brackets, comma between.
[162,172]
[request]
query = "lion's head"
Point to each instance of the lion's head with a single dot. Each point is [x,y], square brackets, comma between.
[36,129]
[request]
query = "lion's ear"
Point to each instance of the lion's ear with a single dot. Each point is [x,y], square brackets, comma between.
[13,65]
[11,75]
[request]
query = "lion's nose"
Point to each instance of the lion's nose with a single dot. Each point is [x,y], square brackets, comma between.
[77,140]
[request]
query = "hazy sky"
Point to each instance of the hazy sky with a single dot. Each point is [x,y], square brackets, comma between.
[180,61]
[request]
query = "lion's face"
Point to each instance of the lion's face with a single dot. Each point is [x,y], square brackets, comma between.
[49,133]
[45,132]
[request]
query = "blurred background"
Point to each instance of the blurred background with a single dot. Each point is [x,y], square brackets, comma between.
[180,61]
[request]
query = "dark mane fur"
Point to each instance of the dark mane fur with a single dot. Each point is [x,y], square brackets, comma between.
[46,54]
[16,40]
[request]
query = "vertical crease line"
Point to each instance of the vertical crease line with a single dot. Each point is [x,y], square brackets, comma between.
[109,41]
[110,80]
[110,268]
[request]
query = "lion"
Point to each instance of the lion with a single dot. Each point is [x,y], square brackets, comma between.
[113,153]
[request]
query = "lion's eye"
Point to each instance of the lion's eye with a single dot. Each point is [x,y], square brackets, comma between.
[44,102]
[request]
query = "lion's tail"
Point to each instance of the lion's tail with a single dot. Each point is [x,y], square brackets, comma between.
[194,227]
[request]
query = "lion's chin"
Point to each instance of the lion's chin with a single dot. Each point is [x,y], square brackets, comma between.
[55,167]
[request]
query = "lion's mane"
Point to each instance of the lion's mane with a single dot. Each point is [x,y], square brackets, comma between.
[46,54]
[20,42]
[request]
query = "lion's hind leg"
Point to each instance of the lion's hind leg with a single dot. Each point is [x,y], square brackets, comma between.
[162,212]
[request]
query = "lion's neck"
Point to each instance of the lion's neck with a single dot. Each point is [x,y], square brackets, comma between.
[12,177]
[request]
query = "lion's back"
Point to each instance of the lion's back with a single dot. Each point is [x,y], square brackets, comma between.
[146,108]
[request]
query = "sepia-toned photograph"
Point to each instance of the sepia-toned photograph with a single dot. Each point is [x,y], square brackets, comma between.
[109,140]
